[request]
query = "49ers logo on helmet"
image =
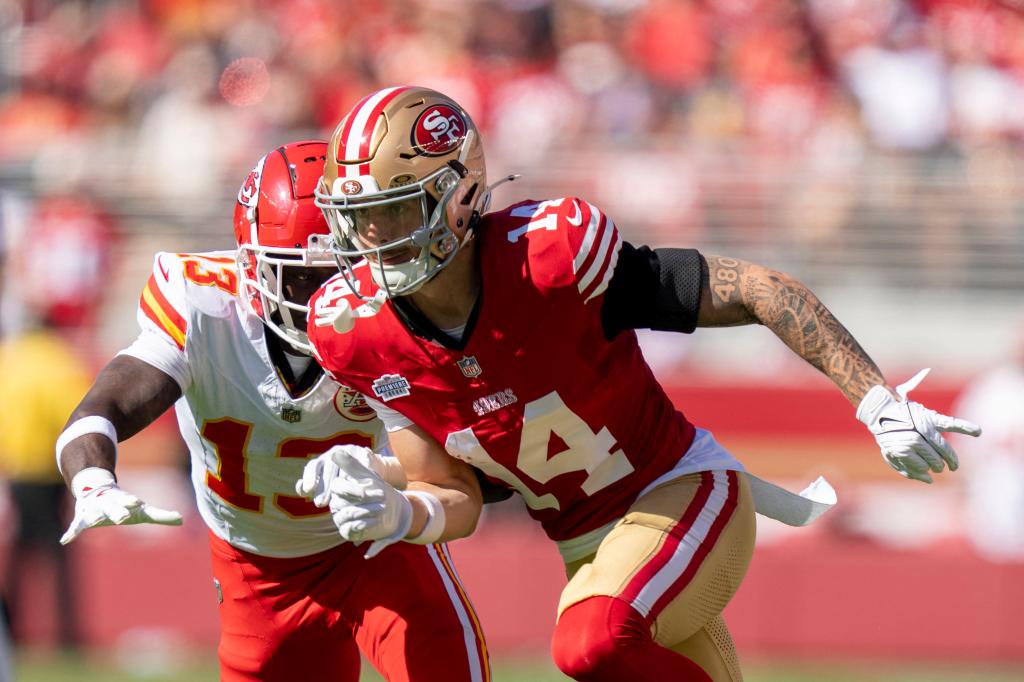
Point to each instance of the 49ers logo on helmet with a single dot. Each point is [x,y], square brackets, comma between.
[438,130]
[351,187]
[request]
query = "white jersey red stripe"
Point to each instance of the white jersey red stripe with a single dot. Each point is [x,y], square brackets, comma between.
[358,131]
[673,567]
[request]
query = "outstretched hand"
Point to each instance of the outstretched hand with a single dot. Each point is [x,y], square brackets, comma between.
[909,434]
[100,502]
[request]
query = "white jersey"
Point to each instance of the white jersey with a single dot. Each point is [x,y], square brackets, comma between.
[248,435]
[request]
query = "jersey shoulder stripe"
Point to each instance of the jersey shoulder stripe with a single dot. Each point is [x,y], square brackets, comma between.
[159,310]
[184,285]
[571,243]
[597,253]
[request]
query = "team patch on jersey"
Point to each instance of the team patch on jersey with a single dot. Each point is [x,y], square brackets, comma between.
[494,401]
[391,386]
[469,366]
[351,405]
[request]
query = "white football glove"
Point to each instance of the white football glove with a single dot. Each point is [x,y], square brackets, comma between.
[908,433]
[321,471]
[100,502]
[366,507]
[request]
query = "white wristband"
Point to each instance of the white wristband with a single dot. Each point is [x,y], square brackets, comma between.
[80,427]
[91,478]
[434,527]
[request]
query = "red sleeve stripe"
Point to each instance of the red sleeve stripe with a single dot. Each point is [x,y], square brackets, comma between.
[598,266]
[594,227]
[156,308]
[608,268]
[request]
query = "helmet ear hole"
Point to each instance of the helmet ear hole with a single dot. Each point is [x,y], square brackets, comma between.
[458,167]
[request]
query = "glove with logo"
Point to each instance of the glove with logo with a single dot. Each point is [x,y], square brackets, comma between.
[321,471]
[100,502]
[364,507]
[909,434]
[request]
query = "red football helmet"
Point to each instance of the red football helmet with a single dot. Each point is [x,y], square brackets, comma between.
[278,225]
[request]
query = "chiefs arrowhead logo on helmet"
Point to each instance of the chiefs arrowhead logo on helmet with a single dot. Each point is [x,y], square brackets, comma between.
[438,130]
[249,192]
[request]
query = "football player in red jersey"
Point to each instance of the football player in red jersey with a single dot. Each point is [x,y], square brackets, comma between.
[504,342]
[224,332]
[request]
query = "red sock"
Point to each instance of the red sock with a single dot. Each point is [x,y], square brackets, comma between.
[604,639]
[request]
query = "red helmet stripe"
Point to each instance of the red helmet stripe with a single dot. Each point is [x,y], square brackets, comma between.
[358,131]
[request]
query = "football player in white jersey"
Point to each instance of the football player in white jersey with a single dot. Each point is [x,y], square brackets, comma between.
[223,340]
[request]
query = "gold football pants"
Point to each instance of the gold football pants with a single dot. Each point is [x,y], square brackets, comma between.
[677,557]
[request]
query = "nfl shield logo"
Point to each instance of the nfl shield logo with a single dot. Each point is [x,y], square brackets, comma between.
[291,415]
[469,366]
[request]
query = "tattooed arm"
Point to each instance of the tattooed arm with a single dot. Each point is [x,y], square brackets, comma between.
[737,292]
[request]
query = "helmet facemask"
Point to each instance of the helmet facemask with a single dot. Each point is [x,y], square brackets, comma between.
[263,273]
[432,243]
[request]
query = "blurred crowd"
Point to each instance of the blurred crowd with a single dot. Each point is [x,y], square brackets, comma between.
[913,74]
[706,121]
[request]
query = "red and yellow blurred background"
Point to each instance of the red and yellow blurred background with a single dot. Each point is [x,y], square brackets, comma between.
[871,148]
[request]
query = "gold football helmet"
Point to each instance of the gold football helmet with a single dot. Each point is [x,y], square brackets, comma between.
[406,154]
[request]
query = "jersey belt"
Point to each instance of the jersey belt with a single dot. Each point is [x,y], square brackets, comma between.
[792,509]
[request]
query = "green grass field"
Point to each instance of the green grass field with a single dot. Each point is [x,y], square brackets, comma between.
[40,667]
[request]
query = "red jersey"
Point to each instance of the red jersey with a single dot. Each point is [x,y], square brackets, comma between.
[537,398]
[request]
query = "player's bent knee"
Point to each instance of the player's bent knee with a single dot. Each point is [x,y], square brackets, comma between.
[604,639]
[593,635]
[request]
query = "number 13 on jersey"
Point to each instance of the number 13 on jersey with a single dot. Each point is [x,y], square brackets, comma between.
[230,440]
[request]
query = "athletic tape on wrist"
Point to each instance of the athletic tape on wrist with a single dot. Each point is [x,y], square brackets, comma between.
[91,478]
[434,527]
[80,427]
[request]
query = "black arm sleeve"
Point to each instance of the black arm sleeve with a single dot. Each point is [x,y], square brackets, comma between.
[654,289]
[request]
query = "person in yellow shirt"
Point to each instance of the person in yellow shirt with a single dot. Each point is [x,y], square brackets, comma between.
[43,381]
